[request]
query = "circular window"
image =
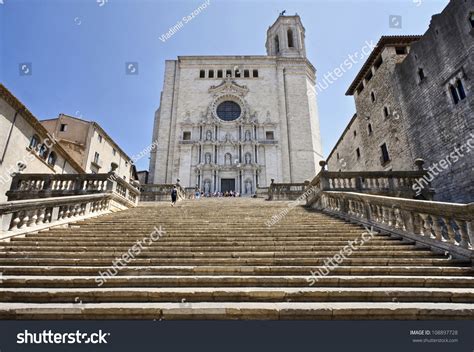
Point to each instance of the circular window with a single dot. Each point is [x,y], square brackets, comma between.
[228,111]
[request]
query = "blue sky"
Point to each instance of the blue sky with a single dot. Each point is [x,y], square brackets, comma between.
[78,50]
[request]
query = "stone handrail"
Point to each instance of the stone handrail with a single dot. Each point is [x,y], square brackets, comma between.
[440,226]
[160,192]
[389,183]
[286,191]
[35,186]
[23,216]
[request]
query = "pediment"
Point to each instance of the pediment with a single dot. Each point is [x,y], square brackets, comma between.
[229,86]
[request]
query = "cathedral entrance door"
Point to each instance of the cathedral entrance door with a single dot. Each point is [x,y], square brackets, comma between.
[227,184]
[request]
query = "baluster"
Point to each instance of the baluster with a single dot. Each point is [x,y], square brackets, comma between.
[450,231]
[24,220]
[437,229]
[33,218]
[15,221]
[370,183]
[400,221]
[376,213]
[390,216]
[464,242]
[41,216]
[384,214]
[424,225]
[47,218]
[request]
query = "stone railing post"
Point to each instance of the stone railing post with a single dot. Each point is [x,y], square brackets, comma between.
[323,179]
[15,184]
[6,221]
[419,164]
[111,182]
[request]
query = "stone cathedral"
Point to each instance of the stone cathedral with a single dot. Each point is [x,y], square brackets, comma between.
[237,122]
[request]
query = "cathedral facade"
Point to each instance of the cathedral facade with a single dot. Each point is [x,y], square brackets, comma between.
[237,122]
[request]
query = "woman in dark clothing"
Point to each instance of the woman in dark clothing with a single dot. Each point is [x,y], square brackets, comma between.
[174,195]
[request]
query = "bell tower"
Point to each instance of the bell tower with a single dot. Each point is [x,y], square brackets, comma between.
[298,109]
[286,37]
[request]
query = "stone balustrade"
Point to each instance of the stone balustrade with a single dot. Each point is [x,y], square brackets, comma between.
[40,201]
[286,191]
[440,226]
[160,192]
[22,216]
[390,183]
[35,186]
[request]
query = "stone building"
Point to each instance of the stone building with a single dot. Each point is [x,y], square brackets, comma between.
[25,145]
[235,122]
[413,100]
[436,89]
[89,145]
[375,138]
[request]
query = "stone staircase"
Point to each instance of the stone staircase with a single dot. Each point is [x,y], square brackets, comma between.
[219,260]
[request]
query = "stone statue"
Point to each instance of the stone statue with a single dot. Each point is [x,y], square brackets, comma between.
[247,135]
[228,159]
[248,187]
[208,158]
[208,136]
[207,186]
[248,158]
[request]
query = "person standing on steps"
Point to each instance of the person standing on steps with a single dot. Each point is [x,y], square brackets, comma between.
[174,195]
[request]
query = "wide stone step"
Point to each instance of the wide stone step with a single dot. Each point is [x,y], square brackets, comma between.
[208,234]
[240,310]
[151,253]
[181,237]
[196,225]
[238,270]
[238,261]
[109,280]
[163,242]
[188,296]
[217,248]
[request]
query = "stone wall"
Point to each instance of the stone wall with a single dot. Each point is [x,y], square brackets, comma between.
[423,121]
[386,121]
[435,124]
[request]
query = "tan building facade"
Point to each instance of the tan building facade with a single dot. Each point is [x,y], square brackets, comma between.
[89,145]
[25,145]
